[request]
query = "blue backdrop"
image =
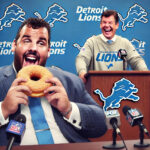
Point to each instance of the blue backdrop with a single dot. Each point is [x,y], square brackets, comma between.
[72,22]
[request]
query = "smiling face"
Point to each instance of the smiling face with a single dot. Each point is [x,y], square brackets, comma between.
[31,47]
[109,26]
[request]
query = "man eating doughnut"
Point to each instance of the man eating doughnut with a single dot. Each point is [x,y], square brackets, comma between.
[71,113]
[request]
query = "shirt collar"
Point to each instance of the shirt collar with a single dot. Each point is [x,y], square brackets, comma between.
[14,68]
[105,39]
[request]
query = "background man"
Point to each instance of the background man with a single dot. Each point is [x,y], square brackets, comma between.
[101,52]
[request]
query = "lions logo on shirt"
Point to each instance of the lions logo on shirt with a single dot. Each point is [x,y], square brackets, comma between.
[108,57]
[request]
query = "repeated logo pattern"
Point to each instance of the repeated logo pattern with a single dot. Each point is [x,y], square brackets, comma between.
[16,13]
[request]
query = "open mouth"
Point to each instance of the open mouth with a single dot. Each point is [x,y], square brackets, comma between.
[31,58]
[108,30]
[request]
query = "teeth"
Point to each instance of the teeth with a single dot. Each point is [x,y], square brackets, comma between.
[107,30]
[31,58]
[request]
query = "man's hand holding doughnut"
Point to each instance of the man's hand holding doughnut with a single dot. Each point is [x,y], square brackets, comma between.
[15,96]
[57,96]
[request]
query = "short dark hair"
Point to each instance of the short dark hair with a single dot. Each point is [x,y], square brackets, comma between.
[35,23]
[109,13]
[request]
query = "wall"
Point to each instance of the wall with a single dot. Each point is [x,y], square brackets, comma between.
[75,21]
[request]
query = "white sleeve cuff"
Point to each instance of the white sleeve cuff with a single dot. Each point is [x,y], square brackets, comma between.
[2,119]
[75,118]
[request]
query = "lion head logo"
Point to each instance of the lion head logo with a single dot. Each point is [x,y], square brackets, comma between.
[123,89]
[54,13]
[12,13]
[135,14]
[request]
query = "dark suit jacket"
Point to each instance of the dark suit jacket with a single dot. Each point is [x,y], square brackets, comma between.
[92,116]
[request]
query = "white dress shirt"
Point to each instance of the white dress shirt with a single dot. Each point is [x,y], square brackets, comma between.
[105,39]
[29,137]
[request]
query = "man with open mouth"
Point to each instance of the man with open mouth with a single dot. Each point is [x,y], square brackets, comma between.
[69,112]
[100,52]
[31,46]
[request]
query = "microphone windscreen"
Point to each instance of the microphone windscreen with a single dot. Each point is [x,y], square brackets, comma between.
[122,53]
[111,117]
[16,128]
[125,109]
[20,118]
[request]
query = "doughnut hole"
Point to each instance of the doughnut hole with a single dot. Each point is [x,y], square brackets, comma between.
[35,77]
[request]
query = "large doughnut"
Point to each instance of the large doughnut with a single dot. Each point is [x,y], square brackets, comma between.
[35,76]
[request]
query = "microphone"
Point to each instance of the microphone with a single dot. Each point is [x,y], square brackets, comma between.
[122,53]
[113,120]
[134,117]
[15,130]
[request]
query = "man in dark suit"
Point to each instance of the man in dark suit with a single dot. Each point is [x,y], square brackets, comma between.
[75,116]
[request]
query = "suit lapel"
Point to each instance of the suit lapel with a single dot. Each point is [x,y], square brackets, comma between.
[9,77]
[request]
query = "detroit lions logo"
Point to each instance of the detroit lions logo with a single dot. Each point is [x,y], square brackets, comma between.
[135,14]
[76,45]
[107,57]
[139,46]
[123,89]
[12,13]
[54,13]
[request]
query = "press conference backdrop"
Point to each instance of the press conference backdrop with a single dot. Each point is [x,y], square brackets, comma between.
[72,22]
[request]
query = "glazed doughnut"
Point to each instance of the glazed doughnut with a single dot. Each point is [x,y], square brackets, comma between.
[35,76]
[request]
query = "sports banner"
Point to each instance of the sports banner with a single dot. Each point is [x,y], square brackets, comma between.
[72,22]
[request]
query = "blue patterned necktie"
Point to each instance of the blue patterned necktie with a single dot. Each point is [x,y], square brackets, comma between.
[41,127]
[109,41]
